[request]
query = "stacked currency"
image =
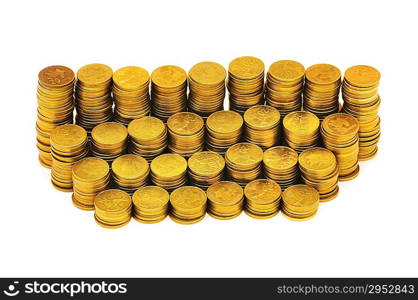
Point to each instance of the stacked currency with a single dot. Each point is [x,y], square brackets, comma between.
[301,130]
[150,204]
[280,164]
[188,205]
[206,168]
[262,198]
[130,172]
[300,202]
[112,208]
[169,171]
[225,200]
[109,140]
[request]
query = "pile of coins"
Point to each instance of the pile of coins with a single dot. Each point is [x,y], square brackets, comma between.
[131,94]
[301,130]
[224,129]
[262,125]
[300,202]
[150,204]
[263,197]
[130,172]
[340,135]
[322,89]
[55,106]
[362,100]
[319,169]
[112,208]
[169,171]
[109,140]
[245,83]
[280,164]
[207,88]
[285,85]
[168,91]
[225,200]
[188,205]
[205,168]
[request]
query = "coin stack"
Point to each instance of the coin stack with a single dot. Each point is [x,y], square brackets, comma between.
[186,133]
[319,169]
[245,83]
[322,89]
[262,198]
[130,172]
[223,130]
[109,140]
[169,171]
[188,205]
[285,85]
[300,202]
[340,135]
[148,137]
[90,176]
[225,200]
[55,106]
[243,162]
[150,204]
[113,208]
[205,168]
[68,145]
[280,164]
[168,91]
[93,95]
[301,130]
[362,100]
[262,125]
[131,94]
[207,88]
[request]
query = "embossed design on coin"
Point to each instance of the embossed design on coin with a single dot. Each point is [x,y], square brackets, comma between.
[287,70]
[94,74]
[206,162]
[280,157]
[340,124]
[317,159]
[262,191]
[323,74]
[112,200]
[146,128]
[185,123]
[56,76]
[245,154]
[169,76]
[246,67]
[90,169]
[225,193]
[68,134]
[109,133]
[224,121]
[302,122]
[207,72]
[262,116]
[150,197]
[131,77]
[301,195]
[188,197]
[362,76]
[169,165]
[130,166]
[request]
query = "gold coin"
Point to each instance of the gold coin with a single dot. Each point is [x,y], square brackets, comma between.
[112,201]
[262,116]
[68,135]
[94,74]
[130,166]
[225,193]
[224,121]
[90,169]
[362,76]
[287,70]
[109,133]
[150,197]
[208,73]
[188,198]
[168,165]
[323,74]
[146,128]
[169,76]
[301,197]
[185,123]
[280,158]
[301,122]
[131,78]
[206,163]
[317,159]
[56,76]
[244,154]
[340,124]
[246,67]
[262,191]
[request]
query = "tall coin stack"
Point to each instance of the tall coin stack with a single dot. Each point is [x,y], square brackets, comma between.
[55,106]
[168,91]
[150,204]
[262,198]
[186,133]
[113,208]
[169,171]
[225,200]
[319,169]
[322,89]
[301,130]
[300,202]
[207,88]
[188,205]
[206,168]
[245,83]
[130,172]
[340,135]
[93,95]
[131,94]
[262,125]
[362,100]
[68,145]
[280,164]
[109,140]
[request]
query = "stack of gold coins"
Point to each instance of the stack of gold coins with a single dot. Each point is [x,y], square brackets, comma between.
[55,106]
[223,130]
[300,202]
[93,95]
[262,198]
[90,176]
[130,172]
[68,145]
[207,88]
[243,162]
[225,200]
[131,94]
[168,91]
[109,140]
[280,164]
[113,208]
[206,168]
[319,169]
[285,85]
[322,89]
[186,133]
[245,83]
[148,137]
[340,135]
[169,171]
[188,205]
[150,204]
[262,125]
[301,130]
[361,100]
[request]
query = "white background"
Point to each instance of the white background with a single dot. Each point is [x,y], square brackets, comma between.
[369,230]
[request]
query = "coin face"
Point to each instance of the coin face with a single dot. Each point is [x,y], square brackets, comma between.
[225,193]
[317,159]
[262,191]
[224,121]
[169,76]
[68,135]
[301,122]
[301,195]
[362,76]
[150,197]
[280,157]
[168,165]
[130,166]
[185,123]
[146,128]
[323,74]
[112,201]
[245,154]
[287,70]
[56,76]
[94,74]
[206,163]
[246,67]
[131,77]
[109,133]
[188,198]
[340,124]
[208,72]
[90,169]
[262,116]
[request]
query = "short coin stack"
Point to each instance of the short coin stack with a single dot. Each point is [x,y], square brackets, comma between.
[322,88]
[130,172]
[113,208]
[150,204]
[319,169]
[262,125]
[340,135]
[300,202]
[225,200]
[188,205]
[206,168]
[245,83]
[169,171]
[207,88]
[301,130]
[131,94]
[361,100]
[280,164]
[109,140]
[90,176]
[262,198]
